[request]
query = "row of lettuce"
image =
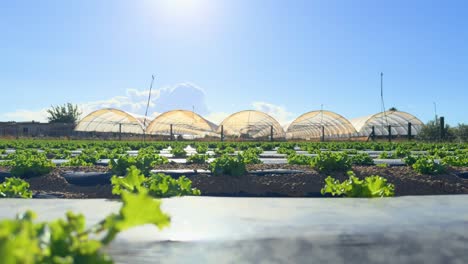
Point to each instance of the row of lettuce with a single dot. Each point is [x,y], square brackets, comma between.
[69,240]
[29,163]
[62,147]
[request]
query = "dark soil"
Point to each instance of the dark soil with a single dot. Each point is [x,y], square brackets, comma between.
[305,184]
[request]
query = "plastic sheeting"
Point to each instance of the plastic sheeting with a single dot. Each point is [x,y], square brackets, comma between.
[398,121]
[110,120]
[309,126]
[251,124]
[183,123]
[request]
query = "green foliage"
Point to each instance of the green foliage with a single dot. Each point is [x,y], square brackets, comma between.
[67,240]
[227,150]
[297,159]
[284,150]
[197,159]
[251,156]
[456,161]
[410,160]
[228,165]
[144,161]
[385,155]
[138,209]
[370,187]
[267,146]
[431,131]
[29,163]
[156,185]
[361,159]
[162,185]
[202,148]
[427,165]
[15,188]
[80,160]
[329,162]
[178,152]
[67,113]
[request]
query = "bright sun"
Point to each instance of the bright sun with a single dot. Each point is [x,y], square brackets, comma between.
[180,8]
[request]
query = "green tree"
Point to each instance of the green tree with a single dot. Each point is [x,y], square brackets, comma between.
[392,109]
[431,132]
[67,113]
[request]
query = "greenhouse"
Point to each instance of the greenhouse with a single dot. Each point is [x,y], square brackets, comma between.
[181,122]
[400,123]
[110,120]
[251,124]
[318,124]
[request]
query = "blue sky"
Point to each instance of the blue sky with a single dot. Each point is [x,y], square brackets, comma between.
[283,57]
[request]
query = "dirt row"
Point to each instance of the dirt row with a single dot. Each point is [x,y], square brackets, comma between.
[305,184]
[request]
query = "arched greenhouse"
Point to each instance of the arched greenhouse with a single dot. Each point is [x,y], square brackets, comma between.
[183,123]
[110,120]
[315,124]
[398,121]
[251,124]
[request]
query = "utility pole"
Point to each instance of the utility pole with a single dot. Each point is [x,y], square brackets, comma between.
[147,106]
[384,114]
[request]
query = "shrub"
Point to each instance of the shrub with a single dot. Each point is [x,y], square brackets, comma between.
[15,188]
[427,165]
[329,162]
[297,159]
[157,185]
[197,159]
[370,187]
[228,165]
[29,163]
[361,159]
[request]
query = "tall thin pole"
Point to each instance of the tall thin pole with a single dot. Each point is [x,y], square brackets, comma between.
[384,117]
[147,106]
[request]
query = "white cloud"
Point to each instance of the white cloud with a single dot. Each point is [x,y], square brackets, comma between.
[278,112]
[180,96]
[25,115]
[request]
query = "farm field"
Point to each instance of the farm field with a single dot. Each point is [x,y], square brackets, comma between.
[83,169]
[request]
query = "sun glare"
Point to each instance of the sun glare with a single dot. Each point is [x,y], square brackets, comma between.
[188,9]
